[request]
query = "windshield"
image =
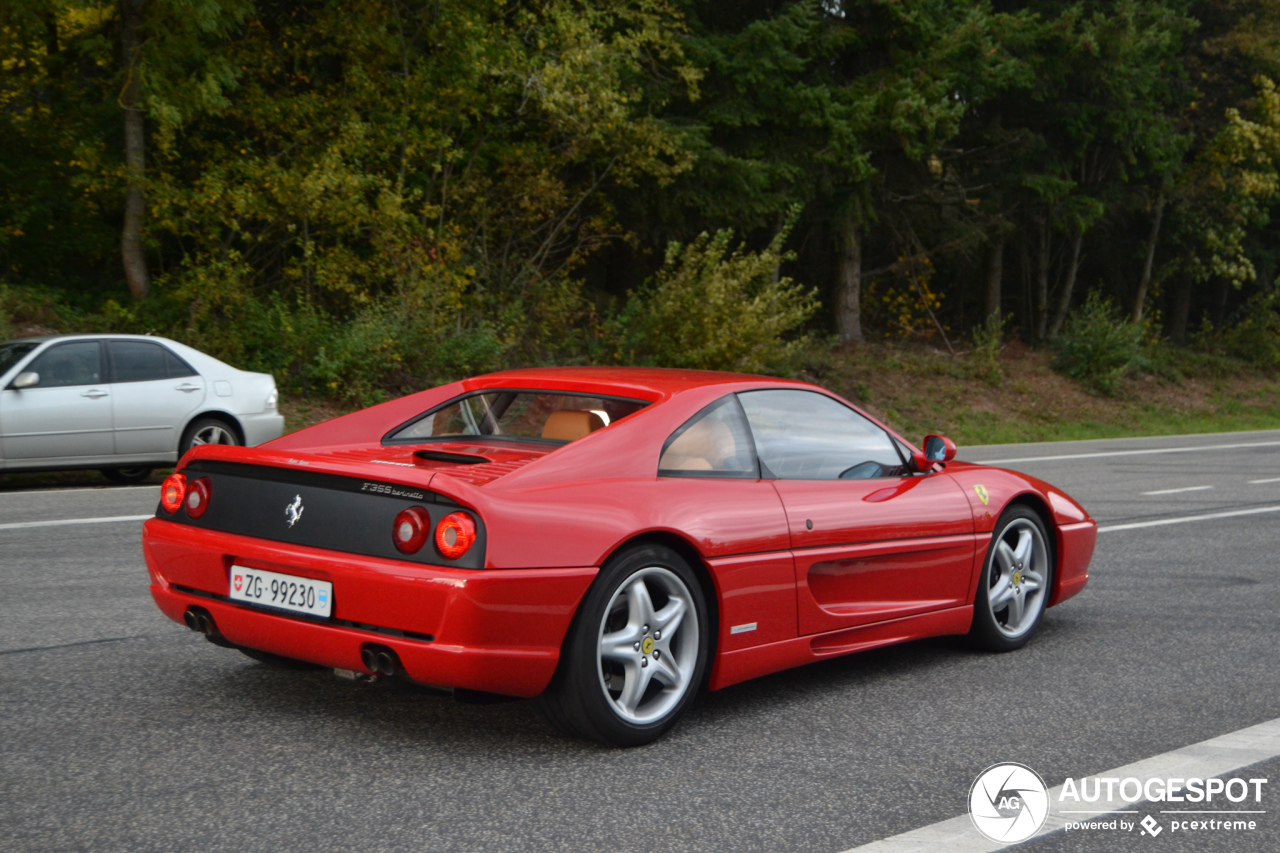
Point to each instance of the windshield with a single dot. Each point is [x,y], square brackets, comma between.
[539,415]
[12,352]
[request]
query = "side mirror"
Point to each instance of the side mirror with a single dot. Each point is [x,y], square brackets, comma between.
[939,448]
[30,379]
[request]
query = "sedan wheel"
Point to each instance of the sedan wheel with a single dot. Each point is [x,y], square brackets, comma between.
[126,476]
[207,431]
[1017,579]
[636,653]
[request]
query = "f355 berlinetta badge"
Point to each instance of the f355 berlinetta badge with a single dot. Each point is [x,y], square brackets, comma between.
[293,511]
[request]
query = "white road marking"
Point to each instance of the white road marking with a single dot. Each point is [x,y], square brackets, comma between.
[1268,480]
[1176,491]
[1208,759]
[65,521]
[1160,522]
[1131,452]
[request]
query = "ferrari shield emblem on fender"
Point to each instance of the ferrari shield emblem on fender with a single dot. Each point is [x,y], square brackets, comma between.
[982,494]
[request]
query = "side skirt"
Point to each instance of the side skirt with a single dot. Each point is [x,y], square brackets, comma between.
[733,667]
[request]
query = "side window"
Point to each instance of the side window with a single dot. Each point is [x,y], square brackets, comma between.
[177,367]
[137,361]
[78,363]
[803,435]
[713,443]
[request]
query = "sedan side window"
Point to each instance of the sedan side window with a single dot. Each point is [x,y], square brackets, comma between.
[137,361]
[716,442]
[78,363]
[802,435]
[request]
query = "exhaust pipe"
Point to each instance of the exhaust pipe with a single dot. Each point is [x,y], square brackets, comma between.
[199,620]
[380,660]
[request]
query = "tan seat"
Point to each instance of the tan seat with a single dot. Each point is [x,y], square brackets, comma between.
[571,424]
[708,445]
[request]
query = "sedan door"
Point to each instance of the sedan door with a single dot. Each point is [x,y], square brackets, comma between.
[66,416]
[872,541]
[154,394]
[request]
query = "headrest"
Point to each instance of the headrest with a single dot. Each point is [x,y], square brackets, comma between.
[571,424]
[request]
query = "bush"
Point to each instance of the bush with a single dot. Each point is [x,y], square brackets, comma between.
[714,307]
[1256,338]
[1098,346]
[988,340]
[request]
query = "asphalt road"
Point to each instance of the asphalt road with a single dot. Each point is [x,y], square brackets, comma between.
[120,730]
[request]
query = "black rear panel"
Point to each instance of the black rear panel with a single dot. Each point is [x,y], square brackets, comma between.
[336,513]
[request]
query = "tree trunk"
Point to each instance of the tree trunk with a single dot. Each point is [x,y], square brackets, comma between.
[1064,298]
[1180,310]
[995,275]
[1144,284]
[1042,281]
[849,285]
[135,261]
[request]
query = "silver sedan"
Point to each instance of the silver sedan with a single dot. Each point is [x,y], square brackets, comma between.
[124,403]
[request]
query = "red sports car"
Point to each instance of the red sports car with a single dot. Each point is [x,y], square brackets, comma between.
[608,540]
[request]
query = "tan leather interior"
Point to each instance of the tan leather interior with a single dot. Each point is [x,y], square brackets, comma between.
[571,424]
[705,446]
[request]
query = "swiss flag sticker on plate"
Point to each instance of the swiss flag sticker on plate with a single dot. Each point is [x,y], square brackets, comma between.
[238,581]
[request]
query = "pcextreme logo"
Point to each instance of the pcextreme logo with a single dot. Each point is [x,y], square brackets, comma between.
[1008,803]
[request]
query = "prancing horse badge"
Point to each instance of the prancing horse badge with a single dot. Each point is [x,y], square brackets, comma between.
[293,511]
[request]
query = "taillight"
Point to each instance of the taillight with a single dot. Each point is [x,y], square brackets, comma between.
[172,491]
[410,530]
[455,534]
[198,494]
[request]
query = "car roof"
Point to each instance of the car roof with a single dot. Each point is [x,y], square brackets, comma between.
[647,382]
[85,337]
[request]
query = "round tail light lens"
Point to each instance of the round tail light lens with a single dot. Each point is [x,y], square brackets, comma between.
[410,529]
[455,534]
[198,493]
[172,491]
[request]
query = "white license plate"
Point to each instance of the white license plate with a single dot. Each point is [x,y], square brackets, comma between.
[287,592]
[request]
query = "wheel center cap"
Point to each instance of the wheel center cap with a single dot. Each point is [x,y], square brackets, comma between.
[647,646]
[1017,578]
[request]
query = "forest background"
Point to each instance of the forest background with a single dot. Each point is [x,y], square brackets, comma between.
[370,198]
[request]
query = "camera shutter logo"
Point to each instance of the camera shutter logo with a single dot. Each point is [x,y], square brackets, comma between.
[1008,803]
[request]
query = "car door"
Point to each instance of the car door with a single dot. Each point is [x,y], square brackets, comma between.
[153,394]
[66,415]
[872,541]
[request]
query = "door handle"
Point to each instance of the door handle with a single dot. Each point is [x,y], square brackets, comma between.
[188,387]
[94,393]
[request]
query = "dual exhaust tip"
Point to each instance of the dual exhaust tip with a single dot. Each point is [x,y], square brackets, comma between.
[201,621]
[380,660]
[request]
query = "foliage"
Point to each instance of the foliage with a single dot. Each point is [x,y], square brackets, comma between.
[1097,345]
[1255,338]
[715,306]
[987,341]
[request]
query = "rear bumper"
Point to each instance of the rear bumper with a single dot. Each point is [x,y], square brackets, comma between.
[262,428]
[494,630]
[1075,550]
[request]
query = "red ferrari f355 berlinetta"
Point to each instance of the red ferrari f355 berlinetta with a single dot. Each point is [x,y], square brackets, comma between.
[608,540]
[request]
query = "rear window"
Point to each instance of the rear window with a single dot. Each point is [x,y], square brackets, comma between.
[518,414]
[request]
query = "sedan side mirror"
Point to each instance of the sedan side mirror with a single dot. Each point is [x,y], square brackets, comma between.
[30,379]
[939,448]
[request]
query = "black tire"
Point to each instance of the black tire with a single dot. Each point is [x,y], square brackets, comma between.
[581,699]
[279,661]
[127,476]
[207,431]
[1014,590]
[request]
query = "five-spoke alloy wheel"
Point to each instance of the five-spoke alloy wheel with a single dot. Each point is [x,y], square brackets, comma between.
[207,431]
[636,653]
[1015,583]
